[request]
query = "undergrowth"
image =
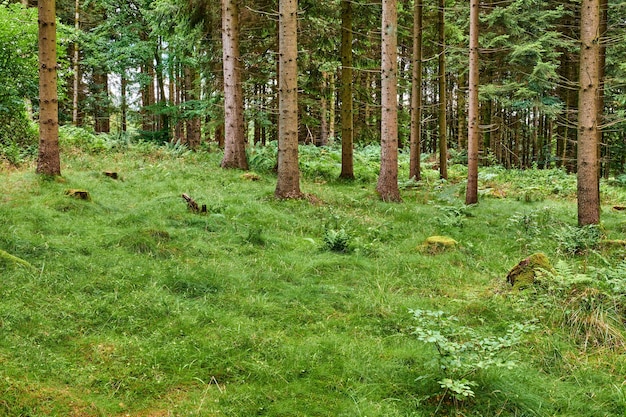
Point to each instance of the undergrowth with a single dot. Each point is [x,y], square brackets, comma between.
[130,304]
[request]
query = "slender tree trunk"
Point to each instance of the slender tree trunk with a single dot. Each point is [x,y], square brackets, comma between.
[416,95]
[473,132]
[75,65]
[164,121]
[323,136]
[288,181]
[124,104]
[332,107]
[347,112]
[387,186]
[443,141]
[48,161]
[234,129]
[587,175]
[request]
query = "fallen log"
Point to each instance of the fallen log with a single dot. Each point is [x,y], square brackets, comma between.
[192,205]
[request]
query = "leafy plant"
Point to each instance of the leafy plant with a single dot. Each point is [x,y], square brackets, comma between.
[336,240]
[461,351]
[574,240]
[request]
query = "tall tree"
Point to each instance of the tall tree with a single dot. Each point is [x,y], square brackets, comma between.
[588,123]
[48,161]
[75,64]
[387,186]
[288,181]
[347,113]
[234,130]
[473,132]
[416,94]
[443,140]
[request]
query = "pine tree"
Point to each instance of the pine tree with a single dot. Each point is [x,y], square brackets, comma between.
[48,161]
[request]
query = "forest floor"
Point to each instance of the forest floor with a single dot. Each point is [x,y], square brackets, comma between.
[129,304]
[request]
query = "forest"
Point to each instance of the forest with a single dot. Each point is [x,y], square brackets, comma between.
[305,208]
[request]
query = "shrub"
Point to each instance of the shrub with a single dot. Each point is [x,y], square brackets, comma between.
[461,351]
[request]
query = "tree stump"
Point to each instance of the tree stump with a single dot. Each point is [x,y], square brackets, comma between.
[524,273]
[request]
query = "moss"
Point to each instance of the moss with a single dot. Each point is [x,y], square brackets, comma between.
[437,244]
[7,258]
[524,273]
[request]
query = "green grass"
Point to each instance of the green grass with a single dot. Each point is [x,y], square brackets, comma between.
[136,306]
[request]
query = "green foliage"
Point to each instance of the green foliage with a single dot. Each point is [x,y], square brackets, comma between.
[137,306]
[18,81]
[461,351]
[336,240]
[575,240]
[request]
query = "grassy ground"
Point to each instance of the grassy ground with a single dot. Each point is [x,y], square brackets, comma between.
[134,305]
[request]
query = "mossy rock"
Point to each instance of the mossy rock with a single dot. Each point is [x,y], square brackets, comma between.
[524,273]
[7,258]
[437,244]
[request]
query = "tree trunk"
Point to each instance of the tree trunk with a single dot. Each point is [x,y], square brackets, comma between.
[416,95]
[387,186]
[587,175]
[48,161]
[443,144]
[124,104]
[323,135]
[234,129]
[332,107]
[75,65]
[347,112]
[604,168]
[473,132]
[288,181]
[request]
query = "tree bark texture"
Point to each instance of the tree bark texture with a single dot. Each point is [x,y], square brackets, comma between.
[288,181]
[443,140]
[416,95]
[347,112]
[387,186]
[75,65]
[587,175]
[48,161]
[234,129]
[473,132]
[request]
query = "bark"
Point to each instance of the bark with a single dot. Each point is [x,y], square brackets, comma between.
[332,107]
[323,136]
[124,104]
[604,169]
[387,186]
[288,181]
[75,65]
[587,175]
[48,161]
[416,95]
[473,131]
[234,129]
[347,112]
[443,144]
[164,122]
